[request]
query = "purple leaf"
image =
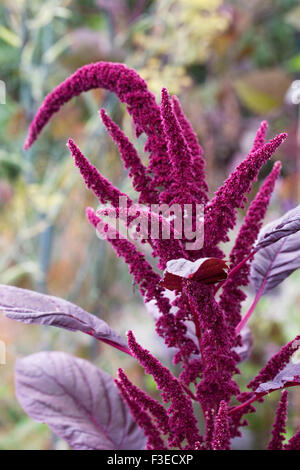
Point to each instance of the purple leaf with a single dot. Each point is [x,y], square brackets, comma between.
[78,401]
[288,377]
[31,307]
[277,259]
[287,225]
[204,270]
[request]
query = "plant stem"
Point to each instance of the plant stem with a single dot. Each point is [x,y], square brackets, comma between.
[258,295]
[246,317]
[235,269]
[248,402]
[188,391]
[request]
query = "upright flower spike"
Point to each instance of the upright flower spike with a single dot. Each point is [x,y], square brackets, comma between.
[220,212]
[100,186]
[130,89]
[165,249]
[131,159]
[181,416]
[279,427]
[221,437]
[142,418]
[260,136]
[183,188]
[276,363]
[232,296]
[198,162]
[209,416]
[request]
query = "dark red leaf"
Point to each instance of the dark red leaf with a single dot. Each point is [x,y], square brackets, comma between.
[204,270]
[31,307]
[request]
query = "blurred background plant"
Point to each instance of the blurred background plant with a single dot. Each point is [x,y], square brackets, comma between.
[230,62]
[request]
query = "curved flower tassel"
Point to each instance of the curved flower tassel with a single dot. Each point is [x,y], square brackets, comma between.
[130,89]
[123,81]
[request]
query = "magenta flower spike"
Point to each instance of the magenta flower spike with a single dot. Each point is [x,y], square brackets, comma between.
[157,410]
[220,212]
[141,180]
[183,187]
[198,162]
[260,136]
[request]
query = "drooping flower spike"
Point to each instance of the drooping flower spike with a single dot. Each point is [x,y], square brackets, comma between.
[130,89]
